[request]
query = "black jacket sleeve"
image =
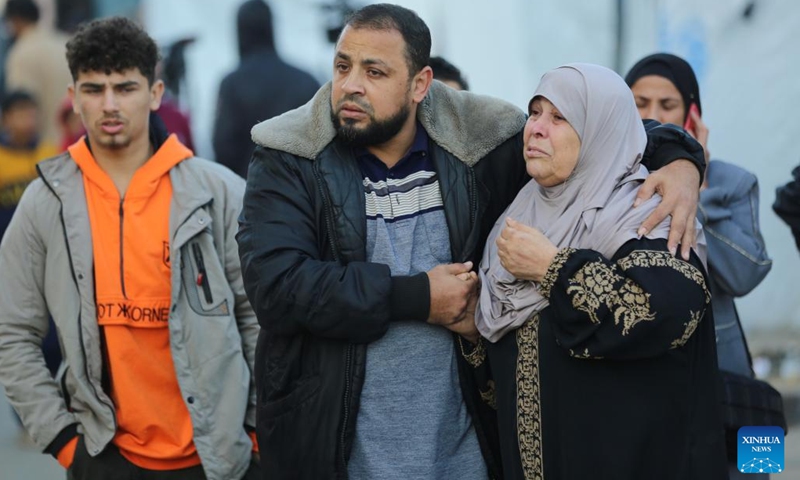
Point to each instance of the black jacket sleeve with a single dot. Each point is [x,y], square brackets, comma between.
[787,204]
[289,278]
[667,143]
[639,304]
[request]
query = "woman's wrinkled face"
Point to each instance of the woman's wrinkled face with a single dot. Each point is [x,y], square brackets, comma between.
[552,146]
[658,98]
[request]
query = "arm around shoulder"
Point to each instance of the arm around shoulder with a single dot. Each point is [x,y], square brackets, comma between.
[625,307]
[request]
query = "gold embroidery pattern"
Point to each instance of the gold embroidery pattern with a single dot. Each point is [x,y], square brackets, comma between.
[490,396]
[529,415]
[691,326]
[551,275]
[594,285]
[655,258]
[478,354]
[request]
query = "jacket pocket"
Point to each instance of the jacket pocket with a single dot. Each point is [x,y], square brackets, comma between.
[204,281]
[305,389]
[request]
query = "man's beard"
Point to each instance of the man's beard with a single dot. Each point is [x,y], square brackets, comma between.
[116,142]
[377,132]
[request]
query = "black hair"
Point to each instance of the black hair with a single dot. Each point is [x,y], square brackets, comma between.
[113,44]
[446,71]
[15,99]
[673,68]
[385,16]
[23,9]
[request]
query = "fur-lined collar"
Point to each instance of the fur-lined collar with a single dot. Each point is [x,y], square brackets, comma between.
[467,125]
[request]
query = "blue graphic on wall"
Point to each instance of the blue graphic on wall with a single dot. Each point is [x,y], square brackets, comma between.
[761,450]
[685,37]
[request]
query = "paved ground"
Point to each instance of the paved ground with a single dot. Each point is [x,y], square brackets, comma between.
[19,462]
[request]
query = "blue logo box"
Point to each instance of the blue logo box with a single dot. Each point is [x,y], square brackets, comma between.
[761,450]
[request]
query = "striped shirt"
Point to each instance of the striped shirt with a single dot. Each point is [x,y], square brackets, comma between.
[412,421]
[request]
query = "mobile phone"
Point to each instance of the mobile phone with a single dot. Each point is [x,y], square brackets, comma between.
[689,125]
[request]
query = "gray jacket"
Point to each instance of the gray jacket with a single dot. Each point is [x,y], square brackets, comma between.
[737,255]
[46,267]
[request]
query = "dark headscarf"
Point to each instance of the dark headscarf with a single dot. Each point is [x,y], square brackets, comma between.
[673,68]
[254,27]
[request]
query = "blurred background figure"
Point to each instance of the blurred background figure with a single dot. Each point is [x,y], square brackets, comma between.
[172,70]
[71,125]
[665,88]
[20,149]
[787,204]
[263,86]
[448,73]
[36,63]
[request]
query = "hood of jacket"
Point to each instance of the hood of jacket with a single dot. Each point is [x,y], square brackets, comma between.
[467,125]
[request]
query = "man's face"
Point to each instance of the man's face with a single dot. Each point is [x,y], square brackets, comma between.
[115,108]
[373,93]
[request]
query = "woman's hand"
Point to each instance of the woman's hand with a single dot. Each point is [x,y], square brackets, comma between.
[524,251]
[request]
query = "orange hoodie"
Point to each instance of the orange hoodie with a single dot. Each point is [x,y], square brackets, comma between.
[130,238]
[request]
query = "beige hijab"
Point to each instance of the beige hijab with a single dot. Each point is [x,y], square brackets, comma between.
[592,209]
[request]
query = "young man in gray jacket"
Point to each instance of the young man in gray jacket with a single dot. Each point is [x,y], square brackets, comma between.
[127,240]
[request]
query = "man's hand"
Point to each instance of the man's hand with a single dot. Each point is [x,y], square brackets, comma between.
[452,287]
[524,251]
[467,327]
[677,184]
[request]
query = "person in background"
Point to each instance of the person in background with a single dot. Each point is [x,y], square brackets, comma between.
[36,63]
[665,88]
[21,148]
[448,74]
[787,204]
[261,87]
[127,240]
[71,126]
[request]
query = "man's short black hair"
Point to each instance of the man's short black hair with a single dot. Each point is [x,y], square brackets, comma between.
[109,45]
[16,98]
[22,9]
[385,16]
[444,70]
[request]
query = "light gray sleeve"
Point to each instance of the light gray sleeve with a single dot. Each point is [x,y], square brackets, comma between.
[29,386]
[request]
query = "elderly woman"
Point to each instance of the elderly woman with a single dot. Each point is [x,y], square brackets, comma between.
[602,342]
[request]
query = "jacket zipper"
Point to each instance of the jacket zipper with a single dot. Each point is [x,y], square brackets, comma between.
[473,198]
[202,278]
[348,365]
[121,249]
[80,317]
